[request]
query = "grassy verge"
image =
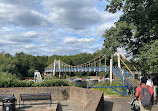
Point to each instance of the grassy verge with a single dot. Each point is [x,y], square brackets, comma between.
[109,91]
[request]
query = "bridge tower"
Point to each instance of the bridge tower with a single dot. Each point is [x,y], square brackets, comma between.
[111,62]
[119,65]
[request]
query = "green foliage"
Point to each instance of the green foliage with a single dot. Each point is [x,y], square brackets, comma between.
[152,57]
[47,83]
[136,31]
[24,65]
[7,76]
[27,64]
[9,80]
[53,82]
[115,5]
[8,64]
[72,60]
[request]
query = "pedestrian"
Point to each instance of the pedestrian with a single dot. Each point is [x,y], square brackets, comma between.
[145,94]
[155,81]
[149,82]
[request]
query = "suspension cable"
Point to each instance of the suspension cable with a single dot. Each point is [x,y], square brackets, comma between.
[127,67]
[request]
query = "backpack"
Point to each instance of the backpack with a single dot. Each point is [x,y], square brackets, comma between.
[135,104]
[145,96]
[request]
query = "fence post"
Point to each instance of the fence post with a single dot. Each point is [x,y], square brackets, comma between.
[125,90]
[111,60]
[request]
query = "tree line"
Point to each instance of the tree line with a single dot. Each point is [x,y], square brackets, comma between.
[23,65]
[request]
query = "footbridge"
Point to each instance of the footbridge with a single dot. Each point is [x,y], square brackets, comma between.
[98,64]
[94,65]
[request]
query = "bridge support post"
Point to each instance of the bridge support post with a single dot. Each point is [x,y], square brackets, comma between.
[59,68]
[105,63]
[54,67]
[111,61]
[119,65]
[94,65]
[99,63]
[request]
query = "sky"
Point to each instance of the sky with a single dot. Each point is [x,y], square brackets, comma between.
[48,27]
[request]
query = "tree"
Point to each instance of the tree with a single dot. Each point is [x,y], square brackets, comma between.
[8,64]
[136,31]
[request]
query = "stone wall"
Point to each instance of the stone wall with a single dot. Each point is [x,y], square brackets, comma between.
[57,93]
[92,100]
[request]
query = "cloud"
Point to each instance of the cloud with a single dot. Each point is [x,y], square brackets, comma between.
[14,42]
[71,14]
[103,27]
[19,38]
[47,27]
[78,42]
[11,14]
[74,14]
[70,40]
[22,3]
[33,42]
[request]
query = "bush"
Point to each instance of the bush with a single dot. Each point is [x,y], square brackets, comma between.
[7,76]
[53,82]
[18,83]
[9,80]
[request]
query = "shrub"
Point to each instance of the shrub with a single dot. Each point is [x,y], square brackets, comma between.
[9,80]
[53,82]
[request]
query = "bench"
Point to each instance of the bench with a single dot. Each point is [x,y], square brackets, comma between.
[35,97]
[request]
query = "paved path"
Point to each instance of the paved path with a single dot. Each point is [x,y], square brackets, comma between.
[115,103]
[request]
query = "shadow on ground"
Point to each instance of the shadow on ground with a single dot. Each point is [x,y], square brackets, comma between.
[108,106]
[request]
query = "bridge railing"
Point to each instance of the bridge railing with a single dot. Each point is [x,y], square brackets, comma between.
[113,87]
[131,88]
[81,69]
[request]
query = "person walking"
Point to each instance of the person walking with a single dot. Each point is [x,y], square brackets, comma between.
[145,94]
[149,82]
[155,81]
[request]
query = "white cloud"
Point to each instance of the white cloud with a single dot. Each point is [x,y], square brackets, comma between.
[78,42]
[102,28]
[89,40]
[30,34]
[11,14]
[74,14]
[22,3]
[47,27]
[70,40]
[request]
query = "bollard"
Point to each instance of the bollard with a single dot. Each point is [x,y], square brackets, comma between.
[9,103]
[87,87]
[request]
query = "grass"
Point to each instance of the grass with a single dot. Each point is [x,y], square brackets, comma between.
[109,91]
